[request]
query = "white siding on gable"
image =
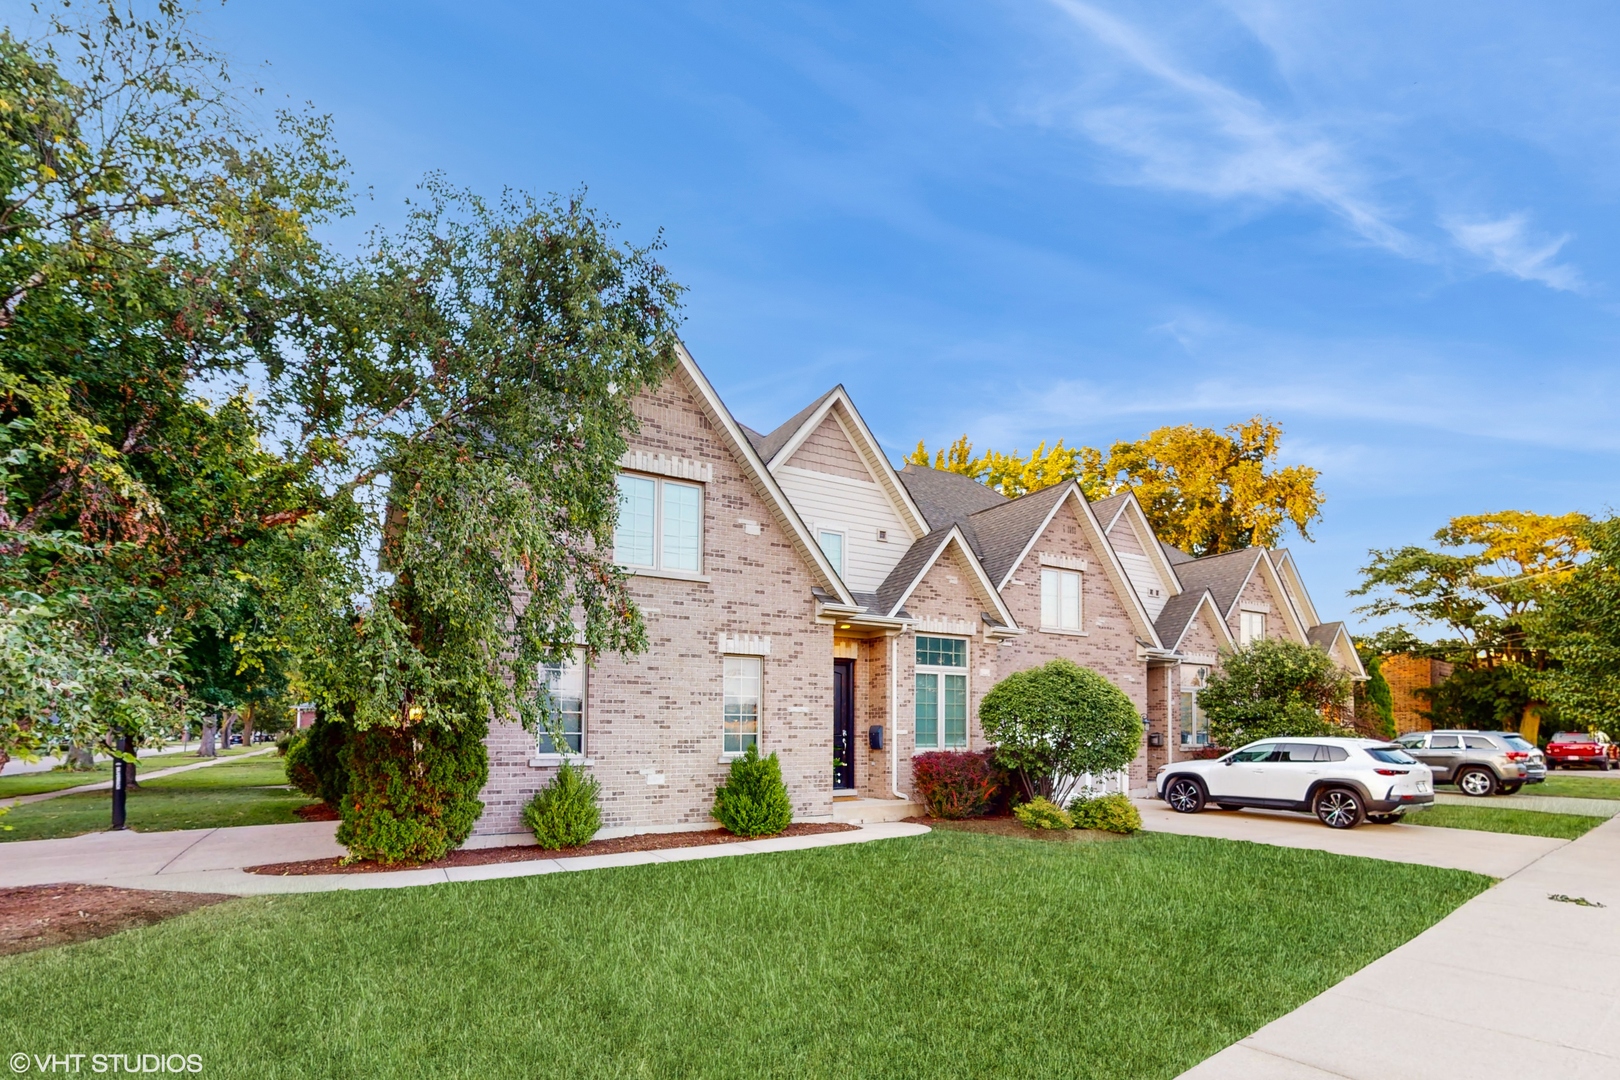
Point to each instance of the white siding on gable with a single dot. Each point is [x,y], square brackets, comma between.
[1150,588]
[859,509]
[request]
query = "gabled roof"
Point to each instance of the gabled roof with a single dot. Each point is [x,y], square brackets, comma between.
[948,498]
[1333,638]
[920,558]
[838,404]
[1004,531]
[1294,583]
[1226,574]
[1175,555]
[742,448]
[1125,510]
[769,445]
[1108,509]
[1182,609]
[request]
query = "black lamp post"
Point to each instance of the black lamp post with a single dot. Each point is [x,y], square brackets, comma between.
[120,788]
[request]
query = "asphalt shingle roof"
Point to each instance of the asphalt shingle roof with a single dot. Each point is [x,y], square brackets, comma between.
[1175,554]
[1322,634]
[1003,531]
[1222,575]
[947,498]
[1178,612]
[1107,508]
[906,570]
[766,446]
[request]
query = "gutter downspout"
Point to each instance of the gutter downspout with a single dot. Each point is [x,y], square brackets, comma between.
[894,736]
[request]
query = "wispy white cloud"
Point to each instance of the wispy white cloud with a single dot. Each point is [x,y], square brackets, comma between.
[1204,137]
[1507,244]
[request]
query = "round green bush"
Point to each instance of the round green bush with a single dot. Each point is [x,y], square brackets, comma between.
[564,814]
[1108,813]
[315,761]
[753,801]
[1043,813]
[1053,723]
[413,792]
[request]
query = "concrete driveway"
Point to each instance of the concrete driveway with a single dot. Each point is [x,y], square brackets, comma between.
[1518,982]
[1495,854]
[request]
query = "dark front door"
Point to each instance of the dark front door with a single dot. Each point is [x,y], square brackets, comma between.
[844,724]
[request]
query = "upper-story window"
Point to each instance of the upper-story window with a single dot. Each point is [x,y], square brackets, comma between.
[1060,599]
[942,693]
[1251,626]
[660,524]
[832,546]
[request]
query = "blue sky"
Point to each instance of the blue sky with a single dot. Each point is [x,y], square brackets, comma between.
[1389,226]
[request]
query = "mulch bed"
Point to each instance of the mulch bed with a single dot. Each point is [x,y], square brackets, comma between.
[39,916]
[1007,825]
[527,852]
[317,811]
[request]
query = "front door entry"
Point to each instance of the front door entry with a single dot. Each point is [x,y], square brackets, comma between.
[844,724]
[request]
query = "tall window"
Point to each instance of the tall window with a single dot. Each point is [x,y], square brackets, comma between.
[942,693]
[832,546]
[742,679]
[1251,626]
[564,688]
[1194,724]
[1060,599]
[660,524]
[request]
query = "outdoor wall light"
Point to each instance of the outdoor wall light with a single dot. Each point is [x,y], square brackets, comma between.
[874,736]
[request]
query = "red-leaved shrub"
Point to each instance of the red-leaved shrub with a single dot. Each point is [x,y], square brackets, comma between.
[956,783]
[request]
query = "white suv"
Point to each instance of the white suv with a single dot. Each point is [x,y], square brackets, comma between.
[1342,781]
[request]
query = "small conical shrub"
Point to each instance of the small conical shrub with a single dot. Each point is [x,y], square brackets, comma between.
[564,814]
[753,801]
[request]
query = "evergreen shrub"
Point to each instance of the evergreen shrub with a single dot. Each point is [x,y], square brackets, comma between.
[1109,813]
[753,801]
[1042,813]
[413,792]
[564,814]
[314,761]
[955,783]
[1057,723]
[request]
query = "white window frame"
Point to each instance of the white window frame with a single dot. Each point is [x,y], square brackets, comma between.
[938,672]
[660,485]
[758,662]
[1057,576]
[843,546]
[553,756]
[1246,635]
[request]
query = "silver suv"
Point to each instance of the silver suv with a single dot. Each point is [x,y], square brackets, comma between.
[1479,762]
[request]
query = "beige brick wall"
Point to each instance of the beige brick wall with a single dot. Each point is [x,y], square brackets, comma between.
[1406,675]
[1256,593]
[827,450]
[662,710]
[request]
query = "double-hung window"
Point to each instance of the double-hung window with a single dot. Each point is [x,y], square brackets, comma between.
[1251,626]
[660,524]
[1060,599]
[563,687]
[942,693]
[741,690]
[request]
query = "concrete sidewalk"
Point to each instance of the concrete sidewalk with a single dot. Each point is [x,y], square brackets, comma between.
[210,860]
[1495,854]
[1513,984]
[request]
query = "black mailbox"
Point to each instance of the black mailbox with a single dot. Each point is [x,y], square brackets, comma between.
[874,736]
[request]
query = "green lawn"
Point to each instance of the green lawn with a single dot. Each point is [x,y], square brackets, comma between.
[1503,820]
[1576,787]
[57,779]
[250,792]
[951,954]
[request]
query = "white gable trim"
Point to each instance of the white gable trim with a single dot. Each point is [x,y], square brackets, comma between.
[1111,566]
[775,498]
[849,420]
[1211,615]
[1347,649]
[1274,583]
[1288,570]
[1149,541]
[986,586]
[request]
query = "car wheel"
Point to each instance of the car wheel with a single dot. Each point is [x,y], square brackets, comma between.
[1386,819]
[1338,808]
[1185,795]
[1477,782]
[1509,789]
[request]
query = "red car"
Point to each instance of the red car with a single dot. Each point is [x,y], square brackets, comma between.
[1569,748]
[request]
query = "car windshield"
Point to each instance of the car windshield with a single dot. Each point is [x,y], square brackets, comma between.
[1572,736]
[1391,755]
[1518,742]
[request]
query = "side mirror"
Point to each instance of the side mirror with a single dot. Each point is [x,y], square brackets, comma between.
[1230,761]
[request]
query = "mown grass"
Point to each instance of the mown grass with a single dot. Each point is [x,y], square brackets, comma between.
[951,954]
[251,792]
[1503,820]
[1576,787]
[56,779]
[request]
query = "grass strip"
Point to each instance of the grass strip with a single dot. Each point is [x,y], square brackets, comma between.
[1503,820]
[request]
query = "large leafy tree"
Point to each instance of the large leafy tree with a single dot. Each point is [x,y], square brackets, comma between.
[1579,628]
[1205,491]
[137,218]
[1274,687]
[1476,593]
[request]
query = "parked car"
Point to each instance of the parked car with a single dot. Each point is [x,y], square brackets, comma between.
[1342,781]
[1572,748]
[1480,763]
[1536,761]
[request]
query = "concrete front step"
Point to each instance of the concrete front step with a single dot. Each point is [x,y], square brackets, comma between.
[870,811]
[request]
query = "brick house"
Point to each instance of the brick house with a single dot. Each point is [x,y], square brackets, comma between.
[803,596]
[1406,675]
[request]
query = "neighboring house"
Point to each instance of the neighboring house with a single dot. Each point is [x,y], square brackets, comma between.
[803,596]
[1406,675]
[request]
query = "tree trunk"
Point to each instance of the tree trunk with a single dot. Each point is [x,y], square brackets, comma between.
[80,759]
[247,727]
[225,733]
[205,742]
